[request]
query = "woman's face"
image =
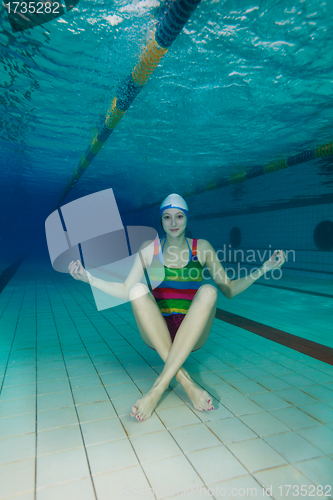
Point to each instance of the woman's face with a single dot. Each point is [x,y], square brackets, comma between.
[174,222]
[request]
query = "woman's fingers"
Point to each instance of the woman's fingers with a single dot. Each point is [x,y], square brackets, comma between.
[73,269]
[77,271]
[282,258]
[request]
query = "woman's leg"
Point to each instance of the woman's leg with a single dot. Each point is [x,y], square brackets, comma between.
[192,334]
[154,332]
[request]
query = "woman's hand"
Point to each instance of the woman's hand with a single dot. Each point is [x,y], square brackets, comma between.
[272,263]
[78,272]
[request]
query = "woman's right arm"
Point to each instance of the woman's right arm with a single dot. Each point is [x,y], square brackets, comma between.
[119,290]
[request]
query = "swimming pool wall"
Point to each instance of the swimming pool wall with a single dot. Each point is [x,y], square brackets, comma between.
[290,229]
[286,223]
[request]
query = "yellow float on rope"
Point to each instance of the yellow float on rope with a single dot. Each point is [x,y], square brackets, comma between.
[325,150]
[239,177]
[149,59]
[276,165]
[114,115]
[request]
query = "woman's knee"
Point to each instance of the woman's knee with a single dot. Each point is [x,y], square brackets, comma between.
[208,294]
[137,291]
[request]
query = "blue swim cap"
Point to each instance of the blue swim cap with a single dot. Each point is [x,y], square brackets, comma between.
[174,201]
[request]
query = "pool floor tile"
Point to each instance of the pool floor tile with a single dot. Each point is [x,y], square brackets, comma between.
[95,411]
[194,437]
[294,418]
[15,426]
[60,439]
[135,428]
[177,417]
[283,482]
[52,419]
[123,484]
[293,447]
[256,455]
[319,470]
[178,475]
[17,448]
[99,431]
[216,464]
[155,446]
[112,455]
[9,472]
[263,424]
[237,488]
[231,430]
[81,489]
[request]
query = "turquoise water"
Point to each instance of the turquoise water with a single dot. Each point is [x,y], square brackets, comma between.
[245,83]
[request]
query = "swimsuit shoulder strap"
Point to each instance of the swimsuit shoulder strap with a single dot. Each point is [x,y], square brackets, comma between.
[194,247]
[157,253]
[163,242]
[156,246]
[157,242]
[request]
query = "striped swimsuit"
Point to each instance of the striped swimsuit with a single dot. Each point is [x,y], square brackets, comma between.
[178,288]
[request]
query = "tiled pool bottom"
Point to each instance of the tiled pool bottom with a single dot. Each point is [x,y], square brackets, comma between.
[65,425]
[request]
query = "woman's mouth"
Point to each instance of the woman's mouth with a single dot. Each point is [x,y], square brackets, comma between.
[174,229]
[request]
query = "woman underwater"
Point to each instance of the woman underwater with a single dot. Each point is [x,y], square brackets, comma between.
[176,317]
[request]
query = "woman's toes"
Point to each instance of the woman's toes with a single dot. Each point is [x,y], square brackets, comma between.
[208,405]
[134,411]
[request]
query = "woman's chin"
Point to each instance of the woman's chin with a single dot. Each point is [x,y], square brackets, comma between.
[175,233]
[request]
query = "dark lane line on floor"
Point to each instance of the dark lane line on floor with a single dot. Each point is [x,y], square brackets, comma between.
[308,347]
[9,272]
[319,294]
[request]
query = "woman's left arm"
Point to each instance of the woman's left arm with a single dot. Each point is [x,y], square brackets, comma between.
[238,286]
[232,288]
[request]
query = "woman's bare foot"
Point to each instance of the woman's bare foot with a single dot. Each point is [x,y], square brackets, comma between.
[144,407]
[200,398]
